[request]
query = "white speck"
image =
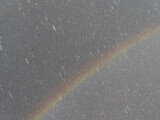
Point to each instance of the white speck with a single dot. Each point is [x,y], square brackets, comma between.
[27,61]
[1,48]
[69,21]
[33,56]
[2,90]
[92,4]
[62,67]
[142,109]
[19,7]
[112,7]
[54,28]
[98,50]
[127,108]
[2,106]
[10,94]
[91,53]
[104,46]
[125,111]
[0,37]
[103,83]
[41,82]
[46,18]
[77,58]
[101,54]
[36,4]
[29,1]
[115,2]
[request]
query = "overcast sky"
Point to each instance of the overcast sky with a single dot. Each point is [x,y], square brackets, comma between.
[43,41]
[127,88]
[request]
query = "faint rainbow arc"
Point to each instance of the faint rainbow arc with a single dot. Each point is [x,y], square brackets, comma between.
[89,69]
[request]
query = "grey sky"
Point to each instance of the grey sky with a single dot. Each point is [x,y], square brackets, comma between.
[127,88]
[43,41]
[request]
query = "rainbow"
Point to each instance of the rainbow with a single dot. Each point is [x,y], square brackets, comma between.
[87,70]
